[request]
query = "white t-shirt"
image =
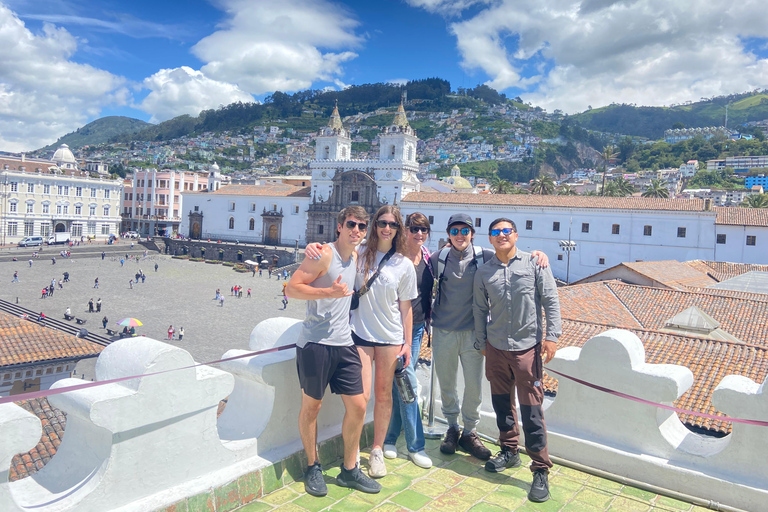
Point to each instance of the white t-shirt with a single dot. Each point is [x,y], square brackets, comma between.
[378,319]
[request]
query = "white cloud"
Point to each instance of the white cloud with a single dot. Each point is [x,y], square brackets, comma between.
[265,46]
[649,52]
[43,94]
[183,90]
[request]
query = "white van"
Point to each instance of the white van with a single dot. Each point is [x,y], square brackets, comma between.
[30,241]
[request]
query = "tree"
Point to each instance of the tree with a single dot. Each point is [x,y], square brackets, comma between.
[501,186]
[624,187]
[566,190]
[756,201]
[656,190]
[543,185]
[611,190]
[609,152]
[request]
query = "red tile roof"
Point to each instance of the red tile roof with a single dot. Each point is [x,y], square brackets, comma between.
[24,341]
[734,216]
[54,422]
[260,190]
[723,270]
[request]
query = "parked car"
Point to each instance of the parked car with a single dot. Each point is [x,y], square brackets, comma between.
[31,241]
[131,234]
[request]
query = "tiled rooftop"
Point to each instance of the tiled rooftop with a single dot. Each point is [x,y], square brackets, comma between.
[458,483]
[673,274]
[24,341]
[261,190]
[722,270]
[734,216]
[54,422]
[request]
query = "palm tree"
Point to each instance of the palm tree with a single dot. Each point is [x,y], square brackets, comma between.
[566,190]
[501,186]
[591,193]
[543,185]
[624,187]
[611,190]
[756,201]
[609,152]
[656,190]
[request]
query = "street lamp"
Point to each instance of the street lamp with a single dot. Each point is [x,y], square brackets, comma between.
[568,246]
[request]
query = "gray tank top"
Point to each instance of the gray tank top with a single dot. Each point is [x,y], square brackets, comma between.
[327,321]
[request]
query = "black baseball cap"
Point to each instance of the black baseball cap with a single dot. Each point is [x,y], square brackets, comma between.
[460,218]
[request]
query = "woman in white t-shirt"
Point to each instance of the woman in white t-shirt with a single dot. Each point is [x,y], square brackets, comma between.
[382,324]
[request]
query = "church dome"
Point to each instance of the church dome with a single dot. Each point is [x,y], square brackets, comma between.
[459,182]
[64,155]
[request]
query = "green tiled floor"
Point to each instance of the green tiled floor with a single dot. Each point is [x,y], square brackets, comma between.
[458,483]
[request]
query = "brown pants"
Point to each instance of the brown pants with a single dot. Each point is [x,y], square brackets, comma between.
[507,371]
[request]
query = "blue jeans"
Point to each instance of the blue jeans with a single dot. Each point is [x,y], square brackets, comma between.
[406,416]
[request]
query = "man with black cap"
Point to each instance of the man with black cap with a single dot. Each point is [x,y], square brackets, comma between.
[453,338]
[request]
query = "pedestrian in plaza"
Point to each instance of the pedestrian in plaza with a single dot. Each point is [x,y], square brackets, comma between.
[326,355]
[67,312]
[143,277]
[98,305]
[45,292]
[53,260]
[453,338]
[269,272]
[61,285]
[96,283]
[41,317]
[253,271]
[510,294]
[50,290]
[170,332]
[181,333]
[103,255]
[260,269]
[66,277]
[239,292]
[130,284]
[104,322]
[30,263]
[15,277]
[232,291]
[285,297]
[122,261]
[90,305]
[249,293]
[155,267]
[221,301]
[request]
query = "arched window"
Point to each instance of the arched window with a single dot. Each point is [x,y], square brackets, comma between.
[231,223]
[251,224]
[343,152]
[327,152]
[410,153]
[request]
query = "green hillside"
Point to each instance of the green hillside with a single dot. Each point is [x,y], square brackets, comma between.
[99,131]
[650,122]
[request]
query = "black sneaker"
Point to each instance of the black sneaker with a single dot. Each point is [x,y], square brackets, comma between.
[503,460]
[356,479]
[313,480]
[471,442]
[539,492]
[450,441]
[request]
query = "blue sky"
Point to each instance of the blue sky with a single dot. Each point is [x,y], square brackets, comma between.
[67,62]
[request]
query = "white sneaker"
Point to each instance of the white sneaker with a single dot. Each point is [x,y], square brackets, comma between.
[421,459]
[390,451]
[376,467]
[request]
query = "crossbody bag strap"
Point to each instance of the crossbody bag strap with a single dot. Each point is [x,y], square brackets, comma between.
[362,291]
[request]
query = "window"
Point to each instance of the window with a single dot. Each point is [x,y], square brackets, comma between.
[66,190]
[529,225]
[231,223]
[46,189]
[355,196]
[78,210]
[14,186]
[559,257]
[79,191]
[126,196]
[197,208]
[77,230]
[106,193]
[65,209]
[106,211]
[647,230]
[93,192]
[12,229]
[45,229]
[92,210]
[29,228]
[252,208]
[251,224]
[431,220]
[30,208]
[556,227]
[46,208]
[59,189]
[295,209]
[91,228]
[478,222]
[274,207]
[681,232]
[58,209]
[751,240]
[601,261]
[320,229]
[721,239]
[231,206]
[31,188]
[105,229]
[13,207]
[615,229]
[585,227]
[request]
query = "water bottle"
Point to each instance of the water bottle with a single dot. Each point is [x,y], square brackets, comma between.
[403,382]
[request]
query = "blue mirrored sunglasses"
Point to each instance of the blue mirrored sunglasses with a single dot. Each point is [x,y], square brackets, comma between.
[506,231]
[456,231]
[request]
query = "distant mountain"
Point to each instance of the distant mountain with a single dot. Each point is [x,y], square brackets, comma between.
[99,131]
[651,122]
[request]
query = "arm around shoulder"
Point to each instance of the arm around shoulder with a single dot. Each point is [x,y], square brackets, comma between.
[310,269]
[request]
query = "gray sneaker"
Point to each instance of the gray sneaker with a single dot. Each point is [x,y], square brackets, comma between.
[376,466]
[356,479]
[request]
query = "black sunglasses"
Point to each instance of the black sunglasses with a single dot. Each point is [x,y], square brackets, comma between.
[416,229]
[382,224]
[362,226]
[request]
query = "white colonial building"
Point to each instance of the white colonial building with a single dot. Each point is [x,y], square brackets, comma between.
[40,197]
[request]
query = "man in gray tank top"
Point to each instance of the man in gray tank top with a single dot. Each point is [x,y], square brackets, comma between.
[325,354]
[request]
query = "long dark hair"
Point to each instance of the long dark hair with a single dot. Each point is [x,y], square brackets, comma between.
[372,242]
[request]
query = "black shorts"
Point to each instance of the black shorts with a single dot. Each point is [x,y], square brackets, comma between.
[320,365]
[360,342]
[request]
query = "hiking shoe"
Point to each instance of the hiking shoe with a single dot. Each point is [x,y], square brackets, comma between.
[471,442]
[450,441]
[356,479]
[539,492]
[421,459]
[313,480]
[503,460]
[376,467]
[390,451]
